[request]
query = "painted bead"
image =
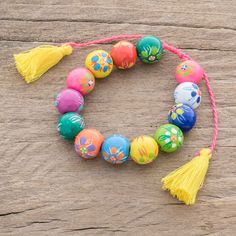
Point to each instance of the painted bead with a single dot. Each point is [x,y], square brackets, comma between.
[69,100]
[115,149]
[189,71]
[149,49]
[70,124]
[169,137]
[88,143]
[124,54]
[81,79]
[100,63]
[188,93]
[144,149]
[183,116]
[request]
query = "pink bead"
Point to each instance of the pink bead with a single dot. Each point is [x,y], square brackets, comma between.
[69,100]
[189,71]
[81,80]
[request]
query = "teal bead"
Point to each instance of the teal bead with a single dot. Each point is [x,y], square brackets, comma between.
[149,49]
[70,124]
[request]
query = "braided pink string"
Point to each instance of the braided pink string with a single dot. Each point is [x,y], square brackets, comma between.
[182,56]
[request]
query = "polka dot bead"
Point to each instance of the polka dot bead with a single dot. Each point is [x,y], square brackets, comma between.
[189,71]
[100,63]
[144,149]
[169,137]
[188,93]
[82,80]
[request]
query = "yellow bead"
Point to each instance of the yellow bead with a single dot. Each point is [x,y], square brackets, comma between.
[144,149]
[100,63]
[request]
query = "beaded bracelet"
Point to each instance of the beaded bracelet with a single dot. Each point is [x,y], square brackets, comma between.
[182,183]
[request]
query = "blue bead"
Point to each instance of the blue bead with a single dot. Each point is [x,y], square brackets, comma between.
[115,149]
[183,116]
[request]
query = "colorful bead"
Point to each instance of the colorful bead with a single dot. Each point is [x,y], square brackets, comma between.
[169,137]
[69,100]
[189,71]
[100,63]
[88,143]
[149,49]
[143,149]
[124,54]
[183,116]
[115,149]
[81,79]
[188,93]
[70,124]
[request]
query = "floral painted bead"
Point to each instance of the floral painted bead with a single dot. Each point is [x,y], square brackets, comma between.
[124,54]
[115,149]
[70,124]
[169,137]
[149,49]
[88,143]
[81,79]
[183,116]
[69,100]
[100,63]
[188,93]
[189,71]
[143,149]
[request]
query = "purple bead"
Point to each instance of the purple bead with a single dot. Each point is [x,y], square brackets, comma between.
[69,100]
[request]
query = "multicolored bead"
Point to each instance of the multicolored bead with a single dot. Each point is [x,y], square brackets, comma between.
[115,149]
[124,54]
[188,93]
[70,124]
[183,116]
[100,63]
[149,49]
[143,149]
[81,79]
[189,71]
[169,137]
[69,100]
[88,143]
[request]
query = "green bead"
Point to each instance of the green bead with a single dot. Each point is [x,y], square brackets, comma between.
[70,124]
[169,137]
[149,49]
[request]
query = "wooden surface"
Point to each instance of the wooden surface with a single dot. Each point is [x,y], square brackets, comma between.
[45,189]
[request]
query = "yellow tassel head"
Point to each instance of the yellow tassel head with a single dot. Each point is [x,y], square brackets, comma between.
[33,63]
[185,182]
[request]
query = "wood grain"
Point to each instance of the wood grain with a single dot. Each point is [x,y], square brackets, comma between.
[45,189]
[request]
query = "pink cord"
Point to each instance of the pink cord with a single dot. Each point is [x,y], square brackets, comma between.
[182,56]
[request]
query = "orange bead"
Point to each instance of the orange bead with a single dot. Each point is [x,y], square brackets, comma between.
[124,54]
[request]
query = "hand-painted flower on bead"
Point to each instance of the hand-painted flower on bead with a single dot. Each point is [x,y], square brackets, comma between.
[185,69]
[85,147]
[175,111]
[101,62]
[114,155]
[196,93]
[151,54]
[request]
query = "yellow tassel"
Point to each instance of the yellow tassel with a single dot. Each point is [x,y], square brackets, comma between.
[185,182]
[33,63]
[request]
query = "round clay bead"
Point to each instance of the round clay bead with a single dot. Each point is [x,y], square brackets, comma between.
[169,137]
[124,54]
[100,63]
[189,71]
[143,149]
[69,100]
[188,93]
[183,116]
[88,143]
[81,79]
[115,149]
[149,49]
[70,124]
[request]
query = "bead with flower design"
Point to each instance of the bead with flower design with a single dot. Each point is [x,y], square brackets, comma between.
[183,116]
[88,143]
[115,149]
[100,63]
[169,137]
